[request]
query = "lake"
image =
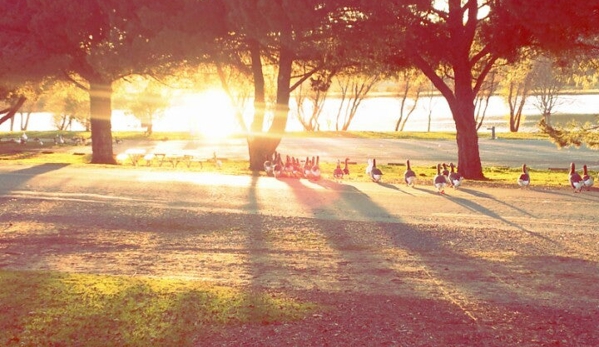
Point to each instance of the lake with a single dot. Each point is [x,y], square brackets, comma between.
[374,114]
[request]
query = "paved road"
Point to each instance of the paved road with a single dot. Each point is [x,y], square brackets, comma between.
[363,201]
[536,153]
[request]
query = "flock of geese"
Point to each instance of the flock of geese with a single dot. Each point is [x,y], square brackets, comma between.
[292,167]
[447,175]
[577,181]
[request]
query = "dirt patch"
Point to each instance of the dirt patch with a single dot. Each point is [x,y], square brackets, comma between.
[377,283]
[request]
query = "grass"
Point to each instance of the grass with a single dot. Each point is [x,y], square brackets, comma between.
[49,152]
[59,309]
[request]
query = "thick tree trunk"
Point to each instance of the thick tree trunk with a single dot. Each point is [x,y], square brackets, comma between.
[101,128]
[469,163]
[260,144]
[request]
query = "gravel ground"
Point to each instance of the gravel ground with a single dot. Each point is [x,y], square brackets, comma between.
[379,281]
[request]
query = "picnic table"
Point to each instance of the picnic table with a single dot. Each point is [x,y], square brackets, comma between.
[135,154]
[174,158]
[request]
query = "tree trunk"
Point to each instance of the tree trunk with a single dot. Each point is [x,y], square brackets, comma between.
[101,128]
[260,144]
[469,163]
[12,111]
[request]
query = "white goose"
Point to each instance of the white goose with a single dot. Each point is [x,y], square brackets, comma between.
[369,167]
[587,179]
[269,165]
[524,178]
[575,180]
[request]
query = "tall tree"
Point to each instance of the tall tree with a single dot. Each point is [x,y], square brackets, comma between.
[278,34]
[456,43]
[567,29]
[94,43]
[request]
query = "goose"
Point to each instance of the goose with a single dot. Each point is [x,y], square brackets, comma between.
[575,180]
[346,168]
[524,178]
[307,167]
[409,175]
[288,167]
[369,167]
[439,181]
[269,166]
[315,170]
[338,172]
[375,173]
[455,178]
[586,178]
[445,172]
[277,169]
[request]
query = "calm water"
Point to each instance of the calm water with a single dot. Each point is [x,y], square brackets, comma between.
[374,114]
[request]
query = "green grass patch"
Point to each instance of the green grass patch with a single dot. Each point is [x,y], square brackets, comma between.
[60,309]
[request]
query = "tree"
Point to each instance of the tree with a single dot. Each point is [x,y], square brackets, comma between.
[576,133]
[546,86]
[481,103]
[456,43]
[354,88]
[145,99]
[286,35]
[315,93]
[516,89]
[68,103]
[411,85]
[566,29]
[94,43]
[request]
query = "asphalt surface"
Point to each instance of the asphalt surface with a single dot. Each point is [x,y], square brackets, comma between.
[537,154]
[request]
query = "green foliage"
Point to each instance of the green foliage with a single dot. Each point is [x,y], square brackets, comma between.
[59,309]
[573,133]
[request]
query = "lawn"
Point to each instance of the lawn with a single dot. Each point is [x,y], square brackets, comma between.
[60,309]
[53,153]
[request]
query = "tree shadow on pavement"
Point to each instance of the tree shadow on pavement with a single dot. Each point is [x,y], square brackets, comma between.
[12,180]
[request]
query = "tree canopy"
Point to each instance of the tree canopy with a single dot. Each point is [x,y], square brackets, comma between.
[454,43]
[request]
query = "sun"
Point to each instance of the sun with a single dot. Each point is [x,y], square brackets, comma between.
[209,114]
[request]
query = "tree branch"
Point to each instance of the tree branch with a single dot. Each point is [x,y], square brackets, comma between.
[77,83]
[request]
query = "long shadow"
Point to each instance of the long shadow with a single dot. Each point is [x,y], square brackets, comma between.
[14,179]
[473,206]
[491,197]
[569,193]
[425,247]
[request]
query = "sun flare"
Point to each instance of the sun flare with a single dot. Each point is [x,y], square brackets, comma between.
[209,114]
